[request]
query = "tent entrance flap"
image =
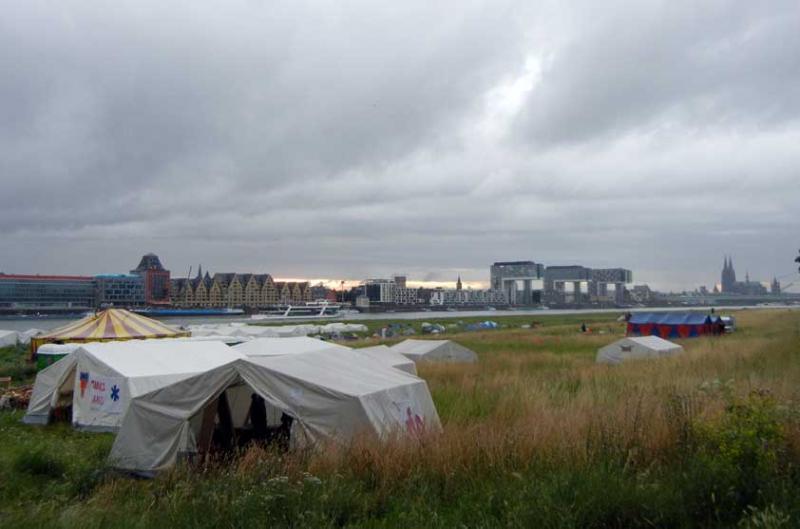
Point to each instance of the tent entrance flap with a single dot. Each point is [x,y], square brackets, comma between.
[238,417]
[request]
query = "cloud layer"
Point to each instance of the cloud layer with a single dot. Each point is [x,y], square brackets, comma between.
[350,139]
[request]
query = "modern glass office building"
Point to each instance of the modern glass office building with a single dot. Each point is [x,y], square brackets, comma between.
[119,290]
[46,292]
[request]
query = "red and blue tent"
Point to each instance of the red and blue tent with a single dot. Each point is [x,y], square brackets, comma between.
[672,324]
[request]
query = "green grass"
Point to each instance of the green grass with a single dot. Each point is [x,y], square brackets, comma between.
[535,435]
[14,363]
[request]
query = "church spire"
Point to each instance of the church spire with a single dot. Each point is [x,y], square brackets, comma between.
[458,283]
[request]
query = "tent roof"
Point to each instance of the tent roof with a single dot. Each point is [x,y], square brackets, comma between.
[384,353]
[670,318]
[111,324]
[417,347]
[347,372]
[651,342]
[435,350]
[286,346]
[156,357]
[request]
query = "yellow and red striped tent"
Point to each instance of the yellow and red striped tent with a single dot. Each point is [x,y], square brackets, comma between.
[108,325]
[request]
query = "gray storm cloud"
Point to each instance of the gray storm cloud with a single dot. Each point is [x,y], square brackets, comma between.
[352,139]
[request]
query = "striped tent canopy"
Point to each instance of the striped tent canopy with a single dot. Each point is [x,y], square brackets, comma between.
[108,325]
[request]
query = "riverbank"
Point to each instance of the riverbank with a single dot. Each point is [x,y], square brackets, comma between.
[535,435]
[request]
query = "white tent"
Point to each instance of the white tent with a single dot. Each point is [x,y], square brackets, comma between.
[284,346]
[282,331]
[636,347]
[328,396]
[100,379]
[434,351]
[338,327]
[25,336]
[393,358]
[8,338]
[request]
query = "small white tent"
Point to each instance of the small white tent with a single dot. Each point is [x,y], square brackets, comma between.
[25,336]
[8,338]
[100,379]
[385,354]
[328,396]
[434,351]
[636,347]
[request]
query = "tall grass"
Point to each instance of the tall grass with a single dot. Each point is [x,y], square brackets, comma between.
[535,435]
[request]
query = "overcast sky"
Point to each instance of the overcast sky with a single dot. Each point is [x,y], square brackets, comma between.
[354,139]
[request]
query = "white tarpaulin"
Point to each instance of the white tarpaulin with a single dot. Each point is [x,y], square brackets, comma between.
[276,331]
[283,346]
[434,351]
[636,347]
[385,354]
[102,378]
[57,349]
[337,327]
[8,338]
[329,396]
[25,336]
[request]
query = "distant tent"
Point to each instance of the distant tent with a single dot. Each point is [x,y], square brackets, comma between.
[673,324]
[385,354]
[8,338]
[434,351]
[327,396]
[634,348]
[108,325]
[99,379]
[26,336]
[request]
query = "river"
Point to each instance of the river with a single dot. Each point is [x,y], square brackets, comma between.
[25,323]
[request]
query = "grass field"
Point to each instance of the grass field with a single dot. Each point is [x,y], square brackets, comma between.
[535,435]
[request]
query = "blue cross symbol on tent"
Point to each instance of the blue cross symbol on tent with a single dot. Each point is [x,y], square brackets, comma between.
[114,393]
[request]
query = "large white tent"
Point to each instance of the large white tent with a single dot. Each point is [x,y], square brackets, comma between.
[636,347]
[100,379]
[328,396]
[434,351]
[385,354]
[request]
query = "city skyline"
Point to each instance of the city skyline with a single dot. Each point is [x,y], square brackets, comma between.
[471,278]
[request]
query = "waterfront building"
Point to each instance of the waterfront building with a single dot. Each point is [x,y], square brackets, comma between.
[119,290]
[567,285]
[379,290]
[42,292]
[641,294]
[156,280]
[405,295]
[521,281]
[237,290]
[462,296]
[608,285]
[579,285]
